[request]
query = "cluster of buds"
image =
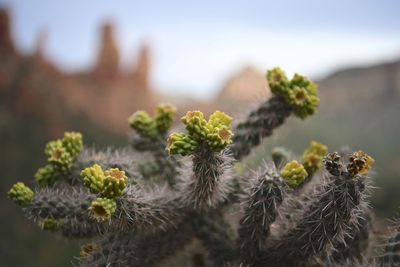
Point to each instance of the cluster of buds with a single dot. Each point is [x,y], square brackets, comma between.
[293,173]
[109,185]
[60,153]
[148,126]
[359,163]
[299,92]
[21,194]
[313,155]
[216,133]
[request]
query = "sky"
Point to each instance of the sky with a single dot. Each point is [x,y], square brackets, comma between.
[197,45]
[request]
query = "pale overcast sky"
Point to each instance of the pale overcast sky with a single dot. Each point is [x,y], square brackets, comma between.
[196,45]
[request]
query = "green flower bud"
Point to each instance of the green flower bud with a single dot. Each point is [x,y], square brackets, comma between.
[219,119]
[114,183]
[293,173]
[220,135]
[359,163]
[313,156]
[219,138]
[196,125]
[165,115]
[47,175]
[73,143]
[143,124]
[21,194]
[278,81]
[303,82]
[93,177]
[51,146]
[300,92]
[182,144]
[50,224]
[59,157]
[102,209]
[303,103]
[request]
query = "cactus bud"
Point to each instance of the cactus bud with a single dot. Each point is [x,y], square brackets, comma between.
[359,163]
[164,117]
[218,119]
[332,163]
[51,146]
[46,176]
[102,209]
[220,135]
[73,143]
[143,124]
[21,194]
[93,177]
[219,138]
[278,81]
[299,92]
[61,159]
[114,183]
[293,173]
[180,143]
[196,125]
[313,155]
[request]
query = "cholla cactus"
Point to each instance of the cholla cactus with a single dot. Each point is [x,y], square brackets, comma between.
[144,204]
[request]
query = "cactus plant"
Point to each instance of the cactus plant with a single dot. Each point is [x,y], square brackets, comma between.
[170,190]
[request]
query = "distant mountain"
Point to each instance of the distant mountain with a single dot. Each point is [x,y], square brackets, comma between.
[371,85]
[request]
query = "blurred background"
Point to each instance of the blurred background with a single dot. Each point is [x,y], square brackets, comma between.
[87,65]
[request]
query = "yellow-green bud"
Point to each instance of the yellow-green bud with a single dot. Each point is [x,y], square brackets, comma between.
[303,82]
[182,144]
[277,81]
[143,124]
[46,176]
[299,92]
[50,224]
[101,209]
[196,125]
[313,156]
[73,143]
[219,119]
[21,194]
[51,146]
[303,102]
[219,138]
[93,177]
[114,183]
[164,117]
[219,128]
[60,158]
[359,163]
[293,173]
